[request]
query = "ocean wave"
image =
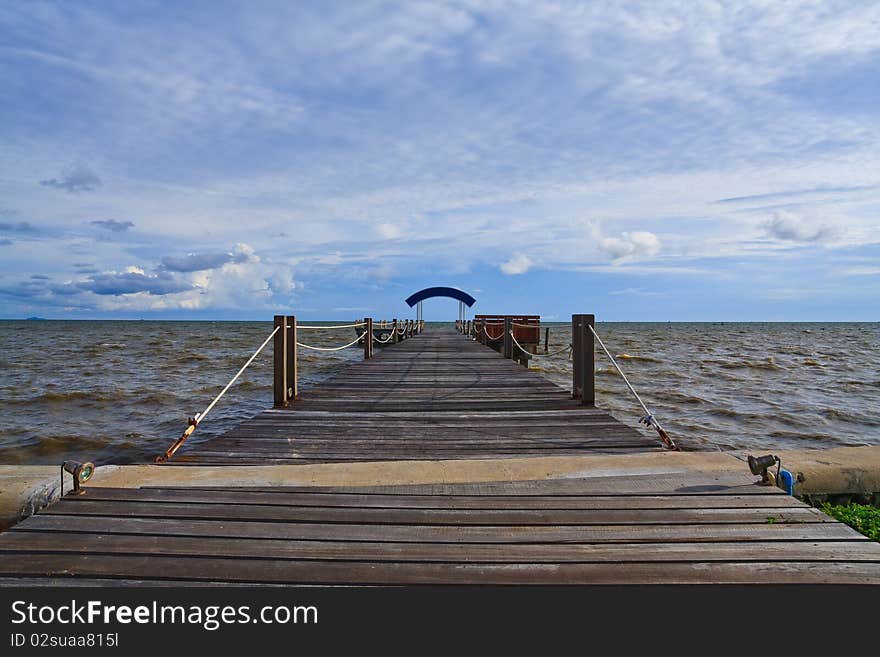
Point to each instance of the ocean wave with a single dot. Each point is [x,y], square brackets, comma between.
[189,358]
[768,364]
[646,359]
[54,397]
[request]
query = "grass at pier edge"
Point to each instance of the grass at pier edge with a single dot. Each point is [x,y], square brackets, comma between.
[864,518]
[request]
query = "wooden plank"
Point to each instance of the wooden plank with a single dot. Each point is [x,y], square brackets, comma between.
[317,497]
[373,573]
[458,534]
[151,544]
[461,517]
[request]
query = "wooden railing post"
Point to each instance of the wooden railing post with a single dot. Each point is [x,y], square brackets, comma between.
[279,363]
[583,356]
[546,339]
[368,338]
[292,360]
[394,336]
[508,342]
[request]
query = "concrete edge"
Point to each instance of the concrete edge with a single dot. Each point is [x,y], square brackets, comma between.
[24,490]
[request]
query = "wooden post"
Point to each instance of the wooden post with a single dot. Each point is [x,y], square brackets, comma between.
[584,359]
[394,336]
[279,363]
[368,338]
[292,360]
[546,339]
[508,342]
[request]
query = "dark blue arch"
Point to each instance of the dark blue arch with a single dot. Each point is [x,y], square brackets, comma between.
[451,292]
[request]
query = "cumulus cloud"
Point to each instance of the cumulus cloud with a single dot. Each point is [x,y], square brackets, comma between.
[518,264]
[629,246]
[795,227]
[77,179]
[113,225]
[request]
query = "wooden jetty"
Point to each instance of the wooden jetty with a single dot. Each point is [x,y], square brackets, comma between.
[438,395]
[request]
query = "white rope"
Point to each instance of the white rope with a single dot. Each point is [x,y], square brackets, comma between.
[201,416]
[388,339]
[555,353]
[345,346]
[649,419]
[300,327]
[492,337]
[620,371]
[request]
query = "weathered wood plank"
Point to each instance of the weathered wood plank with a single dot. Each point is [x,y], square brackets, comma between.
[410,516]
[152,544]
[376,573]
[457,534]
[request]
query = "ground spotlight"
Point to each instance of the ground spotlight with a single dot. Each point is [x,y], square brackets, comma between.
[81,473]
[759,465]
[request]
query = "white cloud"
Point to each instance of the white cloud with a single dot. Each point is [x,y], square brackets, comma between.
[518,264]
[631,245]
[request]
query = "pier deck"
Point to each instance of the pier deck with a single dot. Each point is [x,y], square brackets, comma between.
[436,396]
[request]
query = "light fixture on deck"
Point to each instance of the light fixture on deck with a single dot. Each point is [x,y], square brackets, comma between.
[759,466]
[81,473]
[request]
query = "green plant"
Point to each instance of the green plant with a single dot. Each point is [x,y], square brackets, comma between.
[864,518]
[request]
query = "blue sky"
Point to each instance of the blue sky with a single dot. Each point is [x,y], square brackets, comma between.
[643,161]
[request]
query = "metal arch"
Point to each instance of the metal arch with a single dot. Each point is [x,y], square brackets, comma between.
[450,292]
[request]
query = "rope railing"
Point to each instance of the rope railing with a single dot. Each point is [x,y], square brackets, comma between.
[301,327]
[486,330]
[531,355]
[198,418]
[648,418]
[345,346]
[287,393]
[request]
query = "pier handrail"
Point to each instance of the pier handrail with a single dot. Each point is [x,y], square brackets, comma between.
[198,418]
[345,346]
[531,355]
[285,363]
[493,337]
[302,327]
[386,340]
